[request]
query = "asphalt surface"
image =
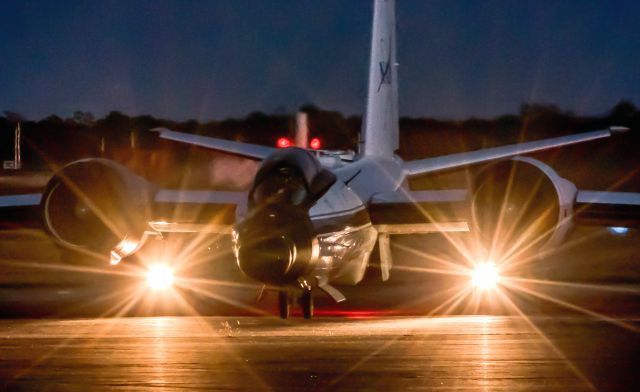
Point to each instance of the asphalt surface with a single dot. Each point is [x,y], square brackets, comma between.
[395,354]
[579,328]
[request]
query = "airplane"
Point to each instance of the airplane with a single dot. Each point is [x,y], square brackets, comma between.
[311,219]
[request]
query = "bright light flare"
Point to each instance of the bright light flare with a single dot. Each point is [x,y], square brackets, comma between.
[283,142]
[315,143]
[160,277]
[485,276]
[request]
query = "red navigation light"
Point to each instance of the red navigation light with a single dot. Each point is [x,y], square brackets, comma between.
[315,143]
[283,142]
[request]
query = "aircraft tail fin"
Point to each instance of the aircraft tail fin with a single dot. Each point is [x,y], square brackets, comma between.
[380,125]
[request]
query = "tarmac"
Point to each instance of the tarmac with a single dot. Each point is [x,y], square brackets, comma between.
[471,353]
[573,326]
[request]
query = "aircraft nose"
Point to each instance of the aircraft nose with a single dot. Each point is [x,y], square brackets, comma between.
[274,244]
[267,259]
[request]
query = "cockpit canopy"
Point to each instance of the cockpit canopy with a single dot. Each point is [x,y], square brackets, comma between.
[291,176]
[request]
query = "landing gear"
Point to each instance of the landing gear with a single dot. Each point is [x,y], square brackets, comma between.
[285,299]
[284,304]
[306,302]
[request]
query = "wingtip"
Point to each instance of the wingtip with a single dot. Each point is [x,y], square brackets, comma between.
[618,129]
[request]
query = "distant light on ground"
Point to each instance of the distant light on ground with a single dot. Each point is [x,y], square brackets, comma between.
[160,277]
[485,276]
[618,230]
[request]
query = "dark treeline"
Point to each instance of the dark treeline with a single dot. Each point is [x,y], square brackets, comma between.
[535,121]
[54,141]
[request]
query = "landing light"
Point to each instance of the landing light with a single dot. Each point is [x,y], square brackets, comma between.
[485,276]
[160,277]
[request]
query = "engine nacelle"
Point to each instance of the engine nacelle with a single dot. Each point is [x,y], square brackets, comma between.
[98,205]
[521,205]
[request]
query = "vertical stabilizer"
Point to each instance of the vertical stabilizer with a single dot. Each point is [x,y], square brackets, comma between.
[380,126]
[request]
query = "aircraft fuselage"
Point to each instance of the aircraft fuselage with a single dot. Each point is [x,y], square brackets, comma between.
[343,234]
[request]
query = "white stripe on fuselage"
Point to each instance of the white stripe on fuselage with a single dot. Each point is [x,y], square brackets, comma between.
[370,175]
[338,201]
[356,185]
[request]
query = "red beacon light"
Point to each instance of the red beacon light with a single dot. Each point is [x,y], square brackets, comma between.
[315,143]
[283,142]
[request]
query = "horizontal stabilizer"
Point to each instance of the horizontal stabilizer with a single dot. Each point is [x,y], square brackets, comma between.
[238,148]
[453,161]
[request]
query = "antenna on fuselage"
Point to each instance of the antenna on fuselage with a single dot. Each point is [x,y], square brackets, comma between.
[302,130]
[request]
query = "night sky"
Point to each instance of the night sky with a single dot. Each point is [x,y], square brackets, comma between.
[217,59]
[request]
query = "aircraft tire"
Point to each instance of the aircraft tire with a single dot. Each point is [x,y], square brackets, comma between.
[306,301]
[284,304]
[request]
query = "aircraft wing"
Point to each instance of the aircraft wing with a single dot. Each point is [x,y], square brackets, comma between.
[420,212]
[453,161]
[24,208]
[608,208]
[243,149]
[173,210]
[416,212]
[196,210]
[27,200]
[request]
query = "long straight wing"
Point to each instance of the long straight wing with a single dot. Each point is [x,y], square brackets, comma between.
[446,162]
[420,212]
[608,208]
[21,210]
[26,200]
[243,149]
[416,212]
[196,211]
[173,210]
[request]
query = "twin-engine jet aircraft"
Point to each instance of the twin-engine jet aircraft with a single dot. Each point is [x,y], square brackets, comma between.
[311,219]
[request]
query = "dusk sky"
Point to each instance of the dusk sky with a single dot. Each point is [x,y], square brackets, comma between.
[217,59]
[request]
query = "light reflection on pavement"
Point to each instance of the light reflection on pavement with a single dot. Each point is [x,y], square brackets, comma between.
[398,353]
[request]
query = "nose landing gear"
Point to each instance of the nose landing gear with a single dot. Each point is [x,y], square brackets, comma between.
[286,299]
[306,302]
[284,304]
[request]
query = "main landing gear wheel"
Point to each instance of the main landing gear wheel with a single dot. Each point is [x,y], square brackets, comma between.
[284,304]
[306,302]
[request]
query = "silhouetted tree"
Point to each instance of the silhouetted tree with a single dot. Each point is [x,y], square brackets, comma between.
[623,113]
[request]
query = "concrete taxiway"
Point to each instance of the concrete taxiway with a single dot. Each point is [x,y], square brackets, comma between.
[488,353]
